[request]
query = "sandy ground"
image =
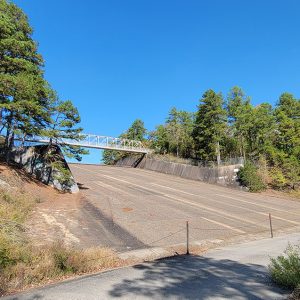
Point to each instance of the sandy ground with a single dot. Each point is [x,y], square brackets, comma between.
[57,216]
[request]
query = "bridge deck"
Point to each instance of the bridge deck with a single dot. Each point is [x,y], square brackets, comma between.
[96,142]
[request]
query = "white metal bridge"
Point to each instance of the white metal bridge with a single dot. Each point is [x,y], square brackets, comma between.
[93,141]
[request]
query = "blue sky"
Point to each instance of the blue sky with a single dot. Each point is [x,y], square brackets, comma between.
[119,60]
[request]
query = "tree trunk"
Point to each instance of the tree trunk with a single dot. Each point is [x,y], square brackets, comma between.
[8,138]
[49,175]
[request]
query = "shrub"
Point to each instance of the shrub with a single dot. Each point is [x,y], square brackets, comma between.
[285,269]
[249,177]
[60,256]
[278,180]
[262,170]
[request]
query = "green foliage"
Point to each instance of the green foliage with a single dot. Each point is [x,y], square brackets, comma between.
[175,136]
[239,111]
[24,93]
[285,269]
[287,115]
[209,127]
[278,180]
[159,140]
[63,124]
[109,157]
[249,177]
[136,131]
[179,127]
[62,174]
[28,105]
[5,259]
[241,131]
[61,256]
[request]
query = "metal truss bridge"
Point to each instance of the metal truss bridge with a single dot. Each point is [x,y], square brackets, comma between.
[93,141]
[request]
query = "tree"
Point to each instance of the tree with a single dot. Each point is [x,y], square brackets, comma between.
[179,126]
[63,126]
[261,130]
[287,115]
[239,112]
[174,137]
[28,105]
[209,126]
[136,131]
[159,139]
[24,93]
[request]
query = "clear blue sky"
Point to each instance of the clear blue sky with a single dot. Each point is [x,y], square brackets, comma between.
[119,60]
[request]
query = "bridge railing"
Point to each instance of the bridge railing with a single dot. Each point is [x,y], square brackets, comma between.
[92,141]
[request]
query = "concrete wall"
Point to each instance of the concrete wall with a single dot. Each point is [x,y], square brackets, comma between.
[224,175]
[31,159]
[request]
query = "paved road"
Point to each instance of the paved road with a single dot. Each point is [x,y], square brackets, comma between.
[135,208]
[235,272]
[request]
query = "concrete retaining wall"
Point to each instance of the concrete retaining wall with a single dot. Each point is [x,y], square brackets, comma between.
[224,175]
[31,159]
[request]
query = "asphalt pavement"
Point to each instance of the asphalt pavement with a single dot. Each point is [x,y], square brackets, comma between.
[235,272]
[135,209]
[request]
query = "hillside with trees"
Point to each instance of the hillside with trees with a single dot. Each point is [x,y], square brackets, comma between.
[221,129]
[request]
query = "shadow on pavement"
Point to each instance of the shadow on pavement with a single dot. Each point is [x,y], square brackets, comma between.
[195,277]
[180,277]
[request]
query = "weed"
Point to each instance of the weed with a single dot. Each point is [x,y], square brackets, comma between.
[285,269]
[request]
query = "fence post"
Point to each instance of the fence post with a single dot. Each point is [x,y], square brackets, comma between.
[187,238]
[271,228]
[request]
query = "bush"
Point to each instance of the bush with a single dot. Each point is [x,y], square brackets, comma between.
[285,269]
[249,177]
[278,180]
[60,257]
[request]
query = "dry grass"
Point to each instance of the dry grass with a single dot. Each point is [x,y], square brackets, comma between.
[35,266]
[24,264]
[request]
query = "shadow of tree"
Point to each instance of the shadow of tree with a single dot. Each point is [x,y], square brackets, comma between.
[179,277]
[195,277]
[21,173]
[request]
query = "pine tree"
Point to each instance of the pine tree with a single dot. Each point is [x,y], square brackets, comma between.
[63,126]
[287,115]
[240,118]
[136,131]
[209,126]
[24,93]
[179,126]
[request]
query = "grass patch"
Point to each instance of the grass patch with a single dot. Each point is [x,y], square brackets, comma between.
[22,264]
[285,269]
[34,266]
